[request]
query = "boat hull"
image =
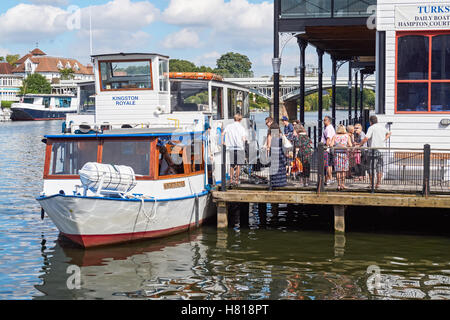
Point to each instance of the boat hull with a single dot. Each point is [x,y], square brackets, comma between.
[28,114]
[96,221]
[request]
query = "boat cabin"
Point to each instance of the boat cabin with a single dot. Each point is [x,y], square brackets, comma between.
[153,156]
[50,101]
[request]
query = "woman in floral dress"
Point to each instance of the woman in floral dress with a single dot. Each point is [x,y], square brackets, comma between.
[341,163]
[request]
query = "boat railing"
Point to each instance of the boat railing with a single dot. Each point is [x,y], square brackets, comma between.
[122,127]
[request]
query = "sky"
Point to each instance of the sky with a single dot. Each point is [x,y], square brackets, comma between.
[196,30]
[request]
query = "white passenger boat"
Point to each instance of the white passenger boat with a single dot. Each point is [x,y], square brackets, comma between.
[142,165]
[44,107]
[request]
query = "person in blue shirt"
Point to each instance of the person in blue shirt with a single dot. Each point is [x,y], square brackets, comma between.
[288,128]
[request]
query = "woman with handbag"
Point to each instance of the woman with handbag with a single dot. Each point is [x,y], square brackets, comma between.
[341,141]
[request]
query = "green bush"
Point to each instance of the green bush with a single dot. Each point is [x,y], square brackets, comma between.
[7,104]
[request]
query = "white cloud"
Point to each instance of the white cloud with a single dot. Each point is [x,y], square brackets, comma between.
[51,2]
[183,39]
[120,15]
[238,21]
[28,22]
[116,25]
[207,59]
[3,52]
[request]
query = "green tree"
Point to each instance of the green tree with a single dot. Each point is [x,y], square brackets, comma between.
[176,65]
[204,69]
[35,83]
[2,59]
[67,74]
[258,102]
[234,63]
[312,101]
[12,58]
[342,97]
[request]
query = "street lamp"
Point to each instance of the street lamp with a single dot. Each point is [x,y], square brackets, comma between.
[276,65]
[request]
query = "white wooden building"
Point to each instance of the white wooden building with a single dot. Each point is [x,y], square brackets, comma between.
[413,71]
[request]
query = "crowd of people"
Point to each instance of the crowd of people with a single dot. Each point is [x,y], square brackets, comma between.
[291,151]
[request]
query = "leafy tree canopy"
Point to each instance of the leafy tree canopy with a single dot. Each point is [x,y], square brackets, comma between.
[235,63]
[176,65]
[12,58]
[228,64]
[36,83]
[67,74]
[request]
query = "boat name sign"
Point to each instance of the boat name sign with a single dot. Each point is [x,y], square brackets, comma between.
[125,100]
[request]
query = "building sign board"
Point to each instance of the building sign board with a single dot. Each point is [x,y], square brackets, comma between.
[422,17]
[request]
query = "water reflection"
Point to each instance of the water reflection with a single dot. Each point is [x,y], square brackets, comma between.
[251,264]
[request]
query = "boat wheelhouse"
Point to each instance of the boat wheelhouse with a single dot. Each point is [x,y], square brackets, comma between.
[141,165]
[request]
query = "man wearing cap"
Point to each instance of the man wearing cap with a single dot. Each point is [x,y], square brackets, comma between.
[288,129]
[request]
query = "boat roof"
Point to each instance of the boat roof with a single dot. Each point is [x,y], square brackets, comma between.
[122,54]
[48,95]
[126,133]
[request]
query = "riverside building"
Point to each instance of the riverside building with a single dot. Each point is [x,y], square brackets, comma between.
[404,43]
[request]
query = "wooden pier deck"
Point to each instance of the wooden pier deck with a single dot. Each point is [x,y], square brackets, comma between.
[360,195]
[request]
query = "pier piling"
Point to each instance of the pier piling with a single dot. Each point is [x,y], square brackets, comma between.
[222,215]
[339,219]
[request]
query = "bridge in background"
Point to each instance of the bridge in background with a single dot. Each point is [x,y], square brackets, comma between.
[290,86]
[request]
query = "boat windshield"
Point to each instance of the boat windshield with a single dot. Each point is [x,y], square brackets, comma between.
[189,96]
[68,157]
[135,154]
[126,75]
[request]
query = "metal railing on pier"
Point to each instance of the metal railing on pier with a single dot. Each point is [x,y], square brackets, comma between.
[396,170]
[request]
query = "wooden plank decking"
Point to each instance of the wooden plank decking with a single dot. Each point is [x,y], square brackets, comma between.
[332,198]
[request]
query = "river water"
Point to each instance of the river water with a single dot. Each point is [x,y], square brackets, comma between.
[292,255]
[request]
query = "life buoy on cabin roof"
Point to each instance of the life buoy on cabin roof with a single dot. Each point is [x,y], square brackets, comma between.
[195,75]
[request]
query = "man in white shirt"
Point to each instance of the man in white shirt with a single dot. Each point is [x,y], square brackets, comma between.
[377,136]
[327,136]
[234,138]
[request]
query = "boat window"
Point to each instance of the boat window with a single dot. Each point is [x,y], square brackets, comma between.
[217,103]
[238,102]
[180,155]
[135,154]
[189,96]
[68,157]
[28,100]
[126,75]
[63,102]
[46,102]
[163,75]
[87,98]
